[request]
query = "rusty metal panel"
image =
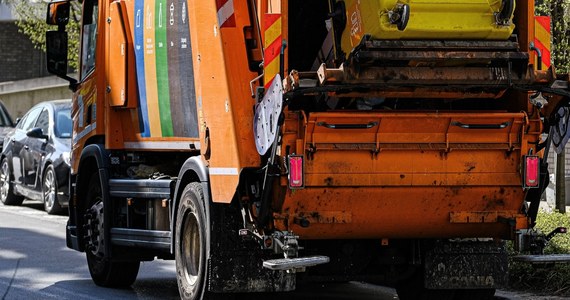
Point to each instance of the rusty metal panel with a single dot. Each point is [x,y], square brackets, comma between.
[454,130]
[398,211]
[478,216]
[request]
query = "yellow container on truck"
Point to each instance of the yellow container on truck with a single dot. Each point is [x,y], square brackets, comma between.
[427,19]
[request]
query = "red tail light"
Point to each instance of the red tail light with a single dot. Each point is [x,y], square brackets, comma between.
[296,180]
[531,171]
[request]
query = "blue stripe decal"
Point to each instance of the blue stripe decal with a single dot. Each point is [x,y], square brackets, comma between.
[139,58]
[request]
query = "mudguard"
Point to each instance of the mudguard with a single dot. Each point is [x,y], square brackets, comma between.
[466,265]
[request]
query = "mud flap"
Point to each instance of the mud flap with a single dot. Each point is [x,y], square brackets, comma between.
[466,265]
[245,274]
[236,265]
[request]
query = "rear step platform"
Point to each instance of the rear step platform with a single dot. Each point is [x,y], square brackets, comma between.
[294,263]
[543,259]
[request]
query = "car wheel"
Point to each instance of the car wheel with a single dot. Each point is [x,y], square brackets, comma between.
[49,192]
[7,195]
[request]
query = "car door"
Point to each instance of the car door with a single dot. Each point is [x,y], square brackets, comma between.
[37,149]
[18,146]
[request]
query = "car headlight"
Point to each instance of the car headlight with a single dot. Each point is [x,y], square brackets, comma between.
[66,157]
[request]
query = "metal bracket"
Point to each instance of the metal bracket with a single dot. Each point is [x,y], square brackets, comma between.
[534,241]
[281,242]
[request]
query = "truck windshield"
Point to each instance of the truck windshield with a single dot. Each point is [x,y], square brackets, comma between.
[89,37]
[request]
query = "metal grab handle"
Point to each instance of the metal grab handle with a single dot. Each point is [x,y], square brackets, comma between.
[481,126]
[347,126]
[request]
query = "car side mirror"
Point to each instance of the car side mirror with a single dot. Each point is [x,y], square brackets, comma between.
[37,133]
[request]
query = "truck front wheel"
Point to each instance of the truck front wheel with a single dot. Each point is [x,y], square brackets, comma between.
[103,270]
[191,238]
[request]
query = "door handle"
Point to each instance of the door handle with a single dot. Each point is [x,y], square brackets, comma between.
[347,126]
[481,126]
[27,147]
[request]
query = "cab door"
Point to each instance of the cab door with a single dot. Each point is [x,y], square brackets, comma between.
[19,150]
[36,151]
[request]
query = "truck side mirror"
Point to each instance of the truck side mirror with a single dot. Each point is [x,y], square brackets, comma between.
[56,52]
[56,41]
[56,55]
[58,13]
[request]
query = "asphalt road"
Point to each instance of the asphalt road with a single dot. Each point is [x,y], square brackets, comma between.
[36,264]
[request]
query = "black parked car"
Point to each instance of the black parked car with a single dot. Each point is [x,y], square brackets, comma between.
[35,157]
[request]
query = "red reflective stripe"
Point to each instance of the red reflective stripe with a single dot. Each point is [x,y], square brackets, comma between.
[269,19]
[542,39]
[545,53]
[272,51]
[544,22]
[272,42]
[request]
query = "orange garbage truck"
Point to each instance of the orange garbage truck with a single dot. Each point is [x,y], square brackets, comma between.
[262,142]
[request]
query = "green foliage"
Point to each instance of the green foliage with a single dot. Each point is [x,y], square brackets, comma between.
[31,22]
[545,279]
[559,11]
[546,222]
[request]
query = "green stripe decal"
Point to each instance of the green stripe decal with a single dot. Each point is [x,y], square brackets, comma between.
[162,68]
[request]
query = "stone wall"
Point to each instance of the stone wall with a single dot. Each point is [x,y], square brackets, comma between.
[19,96]
[18,57]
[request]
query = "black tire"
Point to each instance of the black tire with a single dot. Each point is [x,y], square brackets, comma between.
[104,271]
[191,239]
[49,192]
[7,195]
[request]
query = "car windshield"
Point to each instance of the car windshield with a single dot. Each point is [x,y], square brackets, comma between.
[63,123]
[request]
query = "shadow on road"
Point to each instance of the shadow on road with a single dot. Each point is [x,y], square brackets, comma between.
[34,265]
[39,206]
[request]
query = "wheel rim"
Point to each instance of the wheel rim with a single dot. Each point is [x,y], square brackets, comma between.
[191,248]
[95,229]
[5,182]
[49,189]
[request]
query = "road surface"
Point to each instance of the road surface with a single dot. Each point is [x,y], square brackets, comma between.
[36,264]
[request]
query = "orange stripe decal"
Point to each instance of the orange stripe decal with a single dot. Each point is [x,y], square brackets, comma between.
[150,69]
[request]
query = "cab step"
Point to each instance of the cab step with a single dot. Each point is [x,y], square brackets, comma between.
[294,263]
[543,259]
